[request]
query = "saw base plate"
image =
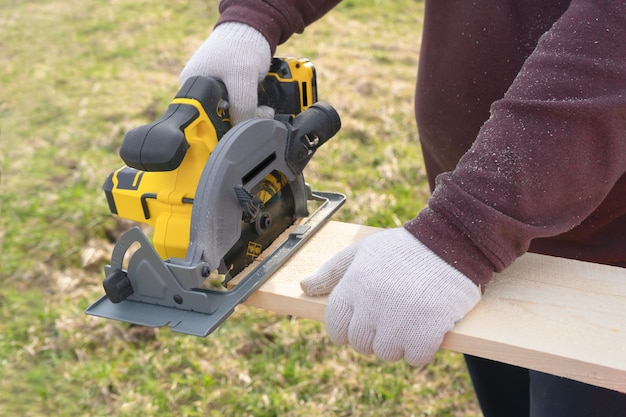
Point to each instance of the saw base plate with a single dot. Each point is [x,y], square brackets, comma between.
[213,307]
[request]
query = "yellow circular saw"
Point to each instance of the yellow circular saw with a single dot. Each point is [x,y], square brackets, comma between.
[217,197]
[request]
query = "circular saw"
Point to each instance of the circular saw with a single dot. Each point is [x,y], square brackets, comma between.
[217,199]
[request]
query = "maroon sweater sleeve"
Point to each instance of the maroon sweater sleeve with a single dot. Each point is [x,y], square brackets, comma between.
[552,150]
[277,20]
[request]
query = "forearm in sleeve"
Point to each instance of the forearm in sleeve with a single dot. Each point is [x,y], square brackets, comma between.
[552,150]
[277,20]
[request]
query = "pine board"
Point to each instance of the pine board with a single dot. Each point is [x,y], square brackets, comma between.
[554,315]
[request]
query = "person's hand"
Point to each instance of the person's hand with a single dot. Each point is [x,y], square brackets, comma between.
[392,296]
[240,57]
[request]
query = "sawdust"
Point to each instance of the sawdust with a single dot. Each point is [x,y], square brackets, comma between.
[267,252]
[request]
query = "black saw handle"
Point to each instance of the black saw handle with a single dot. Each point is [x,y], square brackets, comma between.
[161,145]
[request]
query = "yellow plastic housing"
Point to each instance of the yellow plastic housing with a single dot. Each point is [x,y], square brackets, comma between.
[163,199]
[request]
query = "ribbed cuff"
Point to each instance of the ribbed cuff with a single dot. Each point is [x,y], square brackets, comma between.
[451,245]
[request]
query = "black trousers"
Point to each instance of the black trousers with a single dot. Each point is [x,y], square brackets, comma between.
[509,391]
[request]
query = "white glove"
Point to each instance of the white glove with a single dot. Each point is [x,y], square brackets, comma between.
[240,57]
[392,297]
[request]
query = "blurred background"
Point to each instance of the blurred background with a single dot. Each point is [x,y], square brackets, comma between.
[75,75]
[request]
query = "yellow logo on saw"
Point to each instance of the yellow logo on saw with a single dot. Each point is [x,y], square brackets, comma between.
[254,249]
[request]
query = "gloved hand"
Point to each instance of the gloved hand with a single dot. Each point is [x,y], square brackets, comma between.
[392,296]
[240,57]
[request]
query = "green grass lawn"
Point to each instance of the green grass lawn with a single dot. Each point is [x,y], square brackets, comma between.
[74,76]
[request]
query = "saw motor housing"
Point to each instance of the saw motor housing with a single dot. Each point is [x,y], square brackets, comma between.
[165,159]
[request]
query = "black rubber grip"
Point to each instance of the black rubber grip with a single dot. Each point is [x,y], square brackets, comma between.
[161,145]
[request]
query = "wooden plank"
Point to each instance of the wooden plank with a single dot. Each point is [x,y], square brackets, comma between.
[554,315]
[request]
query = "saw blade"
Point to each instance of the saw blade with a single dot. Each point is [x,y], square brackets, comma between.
[278,214]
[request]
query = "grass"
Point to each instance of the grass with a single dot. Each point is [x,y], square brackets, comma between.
[75,75]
